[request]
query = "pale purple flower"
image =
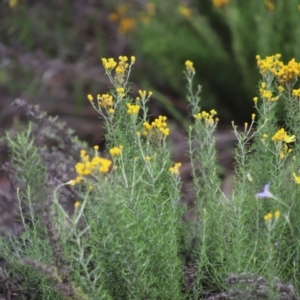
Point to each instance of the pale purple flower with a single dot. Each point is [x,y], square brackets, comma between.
[265,193]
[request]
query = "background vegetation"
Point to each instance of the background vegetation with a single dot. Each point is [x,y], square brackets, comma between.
[51,52]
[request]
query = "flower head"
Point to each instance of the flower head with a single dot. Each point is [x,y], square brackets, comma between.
[282,136]
[159,125]
[208,117]
[77,204]
[133,109]
[189,65]
[116,151]
[175,169]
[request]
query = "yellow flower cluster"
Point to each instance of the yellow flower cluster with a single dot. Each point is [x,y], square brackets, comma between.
[266,94]
[159,124]
[270,216]
[122,65]
[89,166]
[143,94]
[120,68]
[296,93]
[109,63]
[269,64]
[220,3]
[189,66]
[285,150]
[289,71]
[105,101]
[175,169]
[282,72]
[121,91]
[208,117]
[116,151]
[282,136]
[126,22]
[133,109]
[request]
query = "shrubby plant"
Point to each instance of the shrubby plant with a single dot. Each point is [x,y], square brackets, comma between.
[125,237]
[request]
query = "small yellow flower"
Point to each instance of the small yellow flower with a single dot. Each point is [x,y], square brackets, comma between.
[266,94]
[189,66]
[127,24]
[143,95]
[90,97]
[77,204]
[72,182]
[78,179]
[296,93]
[96,148]
[148,158]
[268,217]
[281,88]
[120,91]
[122,65]
[277,214]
